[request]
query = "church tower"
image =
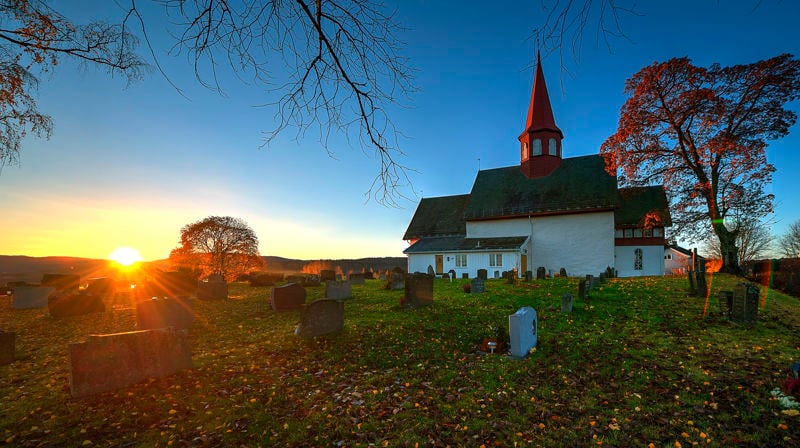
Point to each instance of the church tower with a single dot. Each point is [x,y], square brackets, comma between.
[540,142]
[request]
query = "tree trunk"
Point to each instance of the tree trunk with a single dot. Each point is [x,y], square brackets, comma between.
[728,250]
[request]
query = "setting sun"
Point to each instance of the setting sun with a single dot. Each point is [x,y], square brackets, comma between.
[125,256]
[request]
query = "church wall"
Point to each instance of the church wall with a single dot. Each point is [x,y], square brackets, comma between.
[580,243]
[652,261]
[475,261]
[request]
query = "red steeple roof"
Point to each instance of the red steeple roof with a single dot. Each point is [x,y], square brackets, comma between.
[540,113]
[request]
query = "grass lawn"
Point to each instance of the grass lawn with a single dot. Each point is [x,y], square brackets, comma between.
[635,365]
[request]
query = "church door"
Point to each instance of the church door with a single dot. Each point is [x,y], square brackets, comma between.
[439,264]
[523,264]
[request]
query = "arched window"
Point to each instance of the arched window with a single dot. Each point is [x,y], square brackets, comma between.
[552,148]
[637,259]
[537,147]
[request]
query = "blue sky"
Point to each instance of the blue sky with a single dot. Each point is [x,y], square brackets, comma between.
[129,166]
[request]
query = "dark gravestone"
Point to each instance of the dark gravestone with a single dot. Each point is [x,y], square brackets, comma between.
[744,307]
[483,274]
[562,272]
[541,273]
[327,275]
[398,281]
[431,271]
[452,273]
[702,285]
[294,278]
[566,303]
[692,284]
[477,286]
[321,317]
[112,361]
[582,293]
[62,282]
[157,313]
[288,297]
[595,282]
[418,291]
[725,302]
[356,279]
[7,347]
[511,277]
[610,272]
[465,276]
[312,280]
[446,276]
[602,278]
[214,288]
[75,304]
[264,279]
[338,290]
[31,296]
[103,287]
[528,276]
[369,275]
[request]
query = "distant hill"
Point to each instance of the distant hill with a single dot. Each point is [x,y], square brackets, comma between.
[31,269]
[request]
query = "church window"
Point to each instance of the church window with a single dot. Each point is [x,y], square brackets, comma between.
[637,259]
[551,146]
[658,232]
[537,147]
[618,233]
[648,233]
[495,259]
[461,261]
[637,233]
[668,257]
[628,233]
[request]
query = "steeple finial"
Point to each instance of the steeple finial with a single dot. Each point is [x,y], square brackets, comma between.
[540,142]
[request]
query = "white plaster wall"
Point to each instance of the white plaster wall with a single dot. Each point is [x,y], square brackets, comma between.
[679,263]
[652,261]
[475,261]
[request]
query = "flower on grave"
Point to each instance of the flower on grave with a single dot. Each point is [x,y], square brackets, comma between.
[786,401]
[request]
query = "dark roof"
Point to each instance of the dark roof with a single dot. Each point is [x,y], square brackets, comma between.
[439,216]
[636,203]
[459,243]
[579,184]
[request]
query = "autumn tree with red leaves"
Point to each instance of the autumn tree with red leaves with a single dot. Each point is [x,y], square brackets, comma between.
[703,133]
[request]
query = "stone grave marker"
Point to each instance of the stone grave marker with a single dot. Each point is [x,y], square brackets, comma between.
[214,288]
[327,275]
[702,285]
[398,281]
[692,284]
[452,273]
[446,276]
[312,280]
[595,282]
[511,277]
[7,347]
[566,303]
[744,307]
[477,286]
[321,317]
[338,290]
[357,279]
[418,291]
[431,271]
[62,282]
[562,272]
[541,272]
[76,303]
[164,312]
[582,293]
[112,361]
[528,276]
[102,287]
[725,298]
[288,297]
[523,329]
[483,274]
[465,276]
[31,296]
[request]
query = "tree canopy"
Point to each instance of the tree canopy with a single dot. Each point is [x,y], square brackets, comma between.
[218,245]
[703,133]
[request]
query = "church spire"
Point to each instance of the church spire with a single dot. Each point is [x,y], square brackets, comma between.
[540,142]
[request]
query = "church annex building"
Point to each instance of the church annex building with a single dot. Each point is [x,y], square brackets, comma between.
[548,211]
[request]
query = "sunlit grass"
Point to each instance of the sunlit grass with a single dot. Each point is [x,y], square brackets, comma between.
[635,364]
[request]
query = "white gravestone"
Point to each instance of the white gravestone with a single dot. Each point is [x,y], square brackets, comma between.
[523,329]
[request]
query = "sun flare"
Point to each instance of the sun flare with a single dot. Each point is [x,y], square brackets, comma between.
[125,256]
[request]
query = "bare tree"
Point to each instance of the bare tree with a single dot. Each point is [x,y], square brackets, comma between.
[753,241]
[218,245]
[789,242]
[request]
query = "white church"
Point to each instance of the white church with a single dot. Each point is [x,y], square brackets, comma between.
[549,211]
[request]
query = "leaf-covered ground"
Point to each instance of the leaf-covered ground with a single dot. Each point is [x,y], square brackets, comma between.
[636,365]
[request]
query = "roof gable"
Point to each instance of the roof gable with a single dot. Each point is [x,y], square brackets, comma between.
[580,184]
[438,216]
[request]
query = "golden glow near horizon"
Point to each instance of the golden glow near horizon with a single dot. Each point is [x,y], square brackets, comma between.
[125,256]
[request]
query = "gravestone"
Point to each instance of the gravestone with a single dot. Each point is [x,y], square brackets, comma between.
[511,278]
[562,272]
[566,303]
[611,272]
[744,307]
[541,273]
[287,298]
[702,285]
[602,278]
[327,275]
[418,291]
[431,271]
[321,317]
[164,312]
[523,329]
[62,282]
[725,302]
[452,273]
[311,280]
[214,288]
[692,284]
[356,279]
[7,347]
[595,282]
[113,361]
[496,274]
[483,274]
[294,278]
[102,287]
[263,279]
[31,296]
[465,276]
[528,276]
[398,281]
[74,304]
[446,276]
[338,290]
[477,286]
[582,293]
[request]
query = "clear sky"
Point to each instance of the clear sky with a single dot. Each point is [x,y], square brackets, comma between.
[129,166]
